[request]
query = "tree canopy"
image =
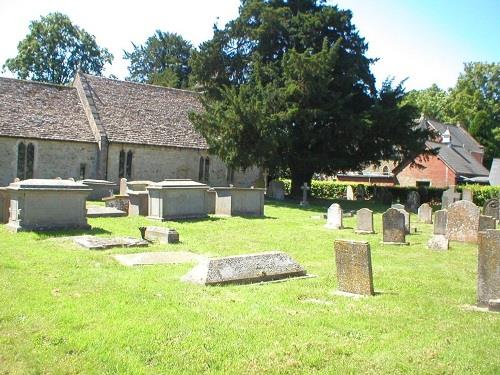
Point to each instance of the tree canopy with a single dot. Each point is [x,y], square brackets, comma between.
[288,86]
[162,60]
[55,49]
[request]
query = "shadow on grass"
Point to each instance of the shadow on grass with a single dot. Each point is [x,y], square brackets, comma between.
[321,205]
[70,232]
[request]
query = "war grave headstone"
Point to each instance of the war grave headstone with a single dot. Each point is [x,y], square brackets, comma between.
[492,208]
[393,227]
[449,196]
[463,221]
[440,219]
[158,257]
[354,267]
[276,190]
[412,201]
[334,217]
[486,222]
[425,213]
[304,189]
[103,243]
[467,195]
[360,192]
[242,269]
[364,221]
[159,234]
[407,220]
[488,270]
[43,204]
[350,193]
[398,206]
[100,188]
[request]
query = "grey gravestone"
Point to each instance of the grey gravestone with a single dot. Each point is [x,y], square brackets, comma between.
[393,224]
[492,208]
[350,193]
[488,269]
[463,221]
[276,190]
[440,219]
[467,195]
[386,197]
[102,243]
[425,213]
[407,220]
[486,222]
[412,201]
[123,186]
[304,189]
[160,234]
[438,242]
[159,257]
[334,217]
[360,192]
[364,221]
[449,196]
[398,206]
[242,269]
[354,267]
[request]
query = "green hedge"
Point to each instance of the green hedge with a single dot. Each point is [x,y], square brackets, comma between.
[337,190]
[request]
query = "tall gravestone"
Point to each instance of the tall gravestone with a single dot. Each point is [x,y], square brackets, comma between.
[425,213]
[393,224]
[276,190]
[488,269]
[350,193]
[492,208]
[467,195]
[440,219]
[364,221]
[354,267]
[334,217]
[412,201]
[449,196]
[463,221]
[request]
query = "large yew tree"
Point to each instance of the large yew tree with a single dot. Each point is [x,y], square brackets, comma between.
[288,87]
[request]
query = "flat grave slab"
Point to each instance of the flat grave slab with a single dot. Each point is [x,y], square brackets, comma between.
[102,243]
[100,211]
[161,257]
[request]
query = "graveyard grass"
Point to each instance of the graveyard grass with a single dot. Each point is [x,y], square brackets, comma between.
[67,310]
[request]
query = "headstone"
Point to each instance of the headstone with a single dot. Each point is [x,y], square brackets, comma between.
[360,192]
[492,208]
[407,220]
[334,217]
[386,197]
[350,193]
[398,206]
[488,269]
[486,222]
[412,201]
[123,186]
[463,221]
[354,267]
[160,234]
[243,269]
[364,221]
[304,189]
[276,190]
[425,214]
[449,196]
[440,219]
[467,195]
[393,224]
[4,205]
[438,242]
[158,257]
[102,243]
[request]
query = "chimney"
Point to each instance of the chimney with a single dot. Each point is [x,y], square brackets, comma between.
[446,139]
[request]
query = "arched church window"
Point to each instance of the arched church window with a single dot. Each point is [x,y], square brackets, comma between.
[121,164]
[129,164]
[25,161]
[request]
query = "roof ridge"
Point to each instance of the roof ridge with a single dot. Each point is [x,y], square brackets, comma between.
[37,82]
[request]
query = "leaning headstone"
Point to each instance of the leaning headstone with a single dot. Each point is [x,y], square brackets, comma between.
[360,192]
[467,195]
[407,220]
[425,214]
[486,222]
[364,224]
[276,190]
[449,196]
[398,206]
[492,208]
[488,269]
[161,235]
[463,221]
[440,219]
[334,217]
[438,242]
[354,267]
[123,186]
[412,201]
[393,226]
[350,193]
[242,269]
[304,189]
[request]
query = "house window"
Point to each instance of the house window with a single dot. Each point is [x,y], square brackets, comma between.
[129,165]
[121,165]
[207,169]
[423,183]
[204,170]
[25,160]
[125,164]
[385,170]
[82,171]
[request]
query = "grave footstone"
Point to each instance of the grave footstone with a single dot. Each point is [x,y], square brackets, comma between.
[334,217]
[304,189]
[488,270]
[486,222]
[412,201]
[350,193]
[463,222]
[492,208]
[440,218]
[425,213]
[161,235]
[276,190]
[354,267]
[467,195]
[438,242]
[364,221]
[393,224]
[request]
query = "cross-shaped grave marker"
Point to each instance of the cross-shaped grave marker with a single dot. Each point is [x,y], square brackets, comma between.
[304,189]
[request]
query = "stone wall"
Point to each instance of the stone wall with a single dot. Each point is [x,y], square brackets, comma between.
[52,159]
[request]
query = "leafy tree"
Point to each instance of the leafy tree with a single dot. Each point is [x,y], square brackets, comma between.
[55,49]
[288,86]
[433,103]
[162,60]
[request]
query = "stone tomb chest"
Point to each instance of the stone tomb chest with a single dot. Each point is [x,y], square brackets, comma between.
[48,205]
[138,197]
[100,188]
[177,199]
[234,201]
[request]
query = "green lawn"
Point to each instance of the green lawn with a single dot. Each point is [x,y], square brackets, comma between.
[66,310]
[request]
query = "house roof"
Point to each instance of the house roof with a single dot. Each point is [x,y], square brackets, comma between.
[459,136]
[42,111]
[459,159]
[145,114]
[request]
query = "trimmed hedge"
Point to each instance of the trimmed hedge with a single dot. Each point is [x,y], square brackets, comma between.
[337,190]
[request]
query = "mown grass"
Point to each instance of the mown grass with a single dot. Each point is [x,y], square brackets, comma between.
[65,310]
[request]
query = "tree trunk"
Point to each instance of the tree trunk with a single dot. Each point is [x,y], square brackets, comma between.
[299,176]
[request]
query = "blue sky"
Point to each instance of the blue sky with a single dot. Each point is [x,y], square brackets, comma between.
[424,40]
